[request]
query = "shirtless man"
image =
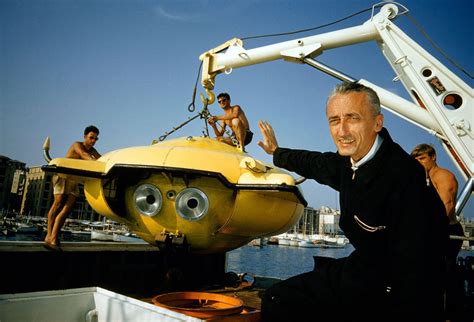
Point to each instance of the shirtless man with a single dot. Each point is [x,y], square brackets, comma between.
[442,179]
[66,190]
[446,185]
[235,118]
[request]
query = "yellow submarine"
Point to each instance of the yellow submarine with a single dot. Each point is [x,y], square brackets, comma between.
[191,192]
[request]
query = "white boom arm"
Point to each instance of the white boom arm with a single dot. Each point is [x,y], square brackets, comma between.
[442,101]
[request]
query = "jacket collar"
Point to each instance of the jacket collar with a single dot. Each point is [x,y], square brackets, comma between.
[370,169]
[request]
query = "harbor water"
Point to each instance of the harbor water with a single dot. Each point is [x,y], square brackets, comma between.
[285,261]
[279,261]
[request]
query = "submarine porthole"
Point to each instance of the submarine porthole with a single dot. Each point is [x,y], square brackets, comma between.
[192,204]
[171,195]
[148,200]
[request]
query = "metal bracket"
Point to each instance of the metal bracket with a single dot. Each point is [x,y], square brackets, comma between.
[298,54]
[209,72]
[171,241]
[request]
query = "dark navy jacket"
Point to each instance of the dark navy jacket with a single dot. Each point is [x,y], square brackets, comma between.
[396,224]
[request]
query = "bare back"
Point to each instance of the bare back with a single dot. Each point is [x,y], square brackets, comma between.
[446,185]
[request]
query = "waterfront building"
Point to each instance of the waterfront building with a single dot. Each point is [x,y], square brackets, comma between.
[38,195]
[12,182]
[468,225]
[309,221]
[323,221]
[329,221]
[38,198]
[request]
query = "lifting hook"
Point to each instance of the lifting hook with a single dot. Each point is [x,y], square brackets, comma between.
[210,97]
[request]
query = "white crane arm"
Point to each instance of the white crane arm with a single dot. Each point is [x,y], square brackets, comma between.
[442,102]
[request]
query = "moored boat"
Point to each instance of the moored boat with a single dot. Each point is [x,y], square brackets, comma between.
[294,242]
[23,228]
[259,242]
[306,243]
[272,240]
[283,242]
[126,238]
[102,235]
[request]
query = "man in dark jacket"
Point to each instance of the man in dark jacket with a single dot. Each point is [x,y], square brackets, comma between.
[396,224]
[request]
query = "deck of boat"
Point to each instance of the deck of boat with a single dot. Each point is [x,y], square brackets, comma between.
[38,246]
[138,270]
[125,268]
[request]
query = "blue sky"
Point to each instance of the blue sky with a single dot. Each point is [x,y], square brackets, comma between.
[129,67]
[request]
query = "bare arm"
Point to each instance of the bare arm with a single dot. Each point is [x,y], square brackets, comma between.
[236,111]
[94,153]
[447,186]
[212,122]
[78,151]
[269,143]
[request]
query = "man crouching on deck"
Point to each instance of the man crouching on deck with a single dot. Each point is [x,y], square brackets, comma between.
[395,222]
[235,118]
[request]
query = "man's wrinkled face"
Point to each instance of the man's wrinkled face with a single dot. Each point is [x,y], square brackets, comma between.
[353,124]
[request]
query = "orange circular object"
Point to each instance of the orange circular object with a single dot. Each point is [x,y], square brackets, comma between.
[199,304]
[449,100]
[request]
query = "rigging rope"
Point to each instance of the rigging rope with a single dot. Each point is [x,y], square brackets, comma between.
[405,13]
[203,114]
[311,29]
[191,106]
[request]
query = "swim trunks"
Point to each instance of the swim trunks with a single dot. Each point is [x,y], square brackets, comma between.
[248,137]
[64,186]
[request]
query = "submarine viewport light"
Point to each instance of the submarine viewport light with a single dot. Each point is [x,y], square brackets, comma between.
[192,204]
[148,200]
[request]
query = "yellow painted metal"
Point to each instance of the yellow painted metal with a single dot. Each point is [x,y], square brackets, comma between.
[94,193]
[263,213]
[200,234]
[198,153]
[92,167]
[89,165]
[253,200]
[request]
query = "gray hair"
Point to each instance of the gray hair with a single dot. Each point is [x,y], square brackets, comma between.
[350,87]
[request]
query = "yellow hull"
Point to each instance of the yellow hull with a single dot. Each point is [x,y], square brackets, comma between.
[190,191]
